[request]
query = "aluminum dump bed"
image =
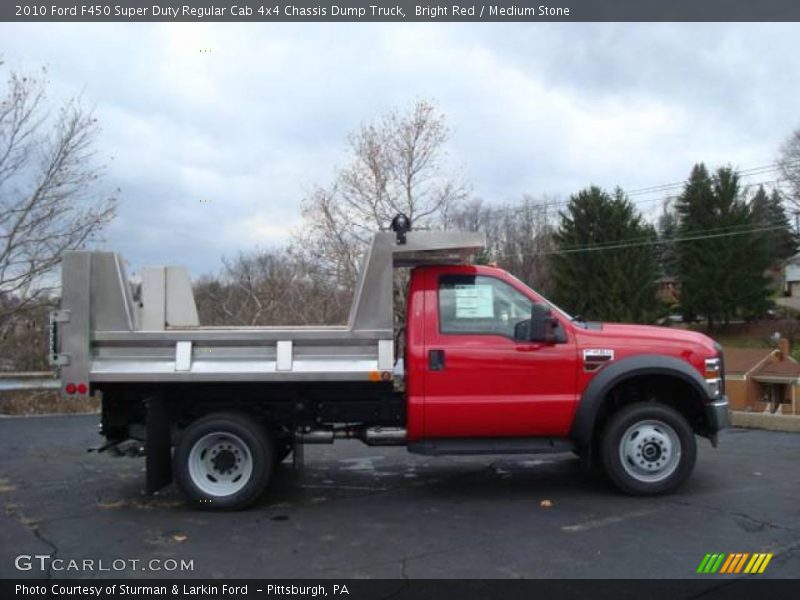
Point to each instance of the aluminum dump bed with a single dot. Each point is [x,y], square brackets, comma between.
[102,334]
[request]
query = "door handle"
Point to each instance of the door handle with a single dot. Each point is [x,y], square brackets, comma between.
[436,360]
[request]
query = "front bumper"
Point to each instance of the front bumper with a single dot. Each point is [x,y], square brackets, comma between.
[717,416]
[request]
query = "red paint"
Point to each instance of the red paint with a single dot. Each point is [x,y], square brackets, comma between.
[494,386]
[416,365]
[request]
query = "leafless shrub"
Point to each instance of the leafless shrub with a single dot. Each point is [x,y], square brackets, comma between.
[44,402]
[270,287]
[24,338]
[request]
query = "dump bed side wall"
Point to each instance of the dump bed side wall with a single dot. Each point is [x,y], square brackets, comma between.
[182,357]
[102,338]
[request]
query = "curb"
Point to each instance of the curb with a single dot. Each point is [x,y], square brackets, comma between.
[769,421]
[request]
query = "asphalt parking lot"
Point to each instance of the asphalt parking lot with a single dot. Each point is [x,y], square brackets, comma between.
[356,511]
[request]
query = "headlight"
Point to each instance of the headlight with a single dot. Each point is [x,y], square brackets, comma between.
[713,368]
[713,375]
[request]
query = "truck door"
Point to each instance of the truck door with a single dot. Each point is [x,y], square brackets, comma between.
[481,380]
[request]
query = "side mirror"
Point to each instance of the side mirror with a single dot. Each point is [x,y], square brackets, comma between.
[544,326]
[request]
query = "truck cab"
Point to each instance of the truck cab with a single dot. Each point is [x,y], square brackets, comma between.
[495,367]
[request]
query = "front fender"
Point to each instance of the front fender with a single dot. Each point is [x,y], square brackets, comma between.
[651,364]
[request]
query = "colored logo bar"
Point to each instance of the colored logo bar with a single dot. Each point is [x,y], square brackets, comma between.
[737,562]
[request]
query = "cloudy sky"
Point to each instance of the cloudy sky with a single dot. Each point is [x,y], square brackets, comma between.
[213,151]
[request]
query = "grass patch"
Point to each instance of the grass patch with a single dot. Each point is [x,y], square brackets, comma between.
[45,402]
[755,334]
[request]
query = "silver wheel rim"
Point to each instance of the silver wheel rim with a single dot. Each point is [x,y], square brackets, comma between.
[650,451]
[220,464]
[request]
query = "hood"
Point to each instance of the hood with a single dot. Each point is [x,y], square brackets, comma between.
[647,337]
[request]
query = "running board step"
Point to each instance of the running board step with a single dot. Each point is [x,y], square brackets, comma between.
[470,446]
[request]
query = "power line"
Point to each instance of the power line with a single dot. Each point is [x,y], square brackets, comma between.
[557,203]
[710,233]
[651,242]
[762,170]
[751,172]
[740,228]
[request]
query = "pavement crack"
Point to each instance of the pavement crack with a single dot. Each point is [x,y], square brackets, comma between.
[732,513]
[406,583]
[53,548]
[784,551]
[714,589]
[410,557]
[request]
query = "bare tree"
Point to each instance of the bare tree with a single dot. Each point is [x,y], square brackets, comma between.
[271,287]
[397,166]
[789,162]
[525,240]
[519,236]
[47,202]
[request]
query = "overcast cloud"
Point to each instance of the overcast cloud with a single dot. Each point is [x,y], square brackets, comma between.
[214,150]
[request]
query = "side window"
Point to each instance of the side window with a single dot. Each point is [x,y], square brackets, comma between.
[474,304]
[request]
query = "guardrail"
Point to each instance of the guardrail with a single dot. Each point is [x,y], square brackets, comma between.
[29,380]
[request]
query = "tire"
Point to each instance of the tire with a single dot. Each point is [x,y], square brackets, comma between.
[648,449]
[224,461]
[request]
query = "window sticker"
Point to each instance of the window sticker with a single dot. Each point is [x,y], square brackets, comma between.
[474,301]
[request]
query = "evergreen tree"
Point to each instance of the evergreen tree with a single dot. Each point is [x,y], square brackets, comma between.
[605,265]
[667,230]
[769,212]
[721,259]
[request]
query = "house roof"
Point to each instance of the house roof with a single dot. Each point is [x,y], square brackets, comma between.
[743,360]
[781,369]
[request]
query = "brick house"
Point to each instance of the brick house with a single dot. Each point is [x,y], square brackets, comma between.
[763,379]
[668,289]
[791,276]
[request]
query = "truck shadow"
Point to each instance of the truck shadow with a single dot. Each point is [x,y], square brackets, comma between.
[485,478]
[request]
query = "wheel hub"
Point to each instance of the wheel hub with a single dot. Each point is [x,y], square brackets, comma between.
[650,450]
[220,464]
[223,460]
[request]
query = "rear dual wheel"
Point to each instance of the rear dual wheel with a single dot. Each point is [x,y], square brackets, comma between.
[224,461]
[648,448]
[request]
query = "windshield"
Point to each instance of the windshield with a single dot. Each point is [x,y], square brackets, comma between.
[553,306]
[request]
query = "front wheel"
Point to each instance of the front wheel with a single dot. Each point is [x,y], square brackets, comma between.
[648,449]
[224,461]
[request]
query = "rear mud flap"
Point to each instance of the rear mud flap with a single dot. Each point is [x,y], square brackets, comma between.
[158,447]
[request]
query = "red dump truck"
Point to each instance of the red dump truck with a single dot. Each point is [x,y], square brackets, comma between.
[486,366]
